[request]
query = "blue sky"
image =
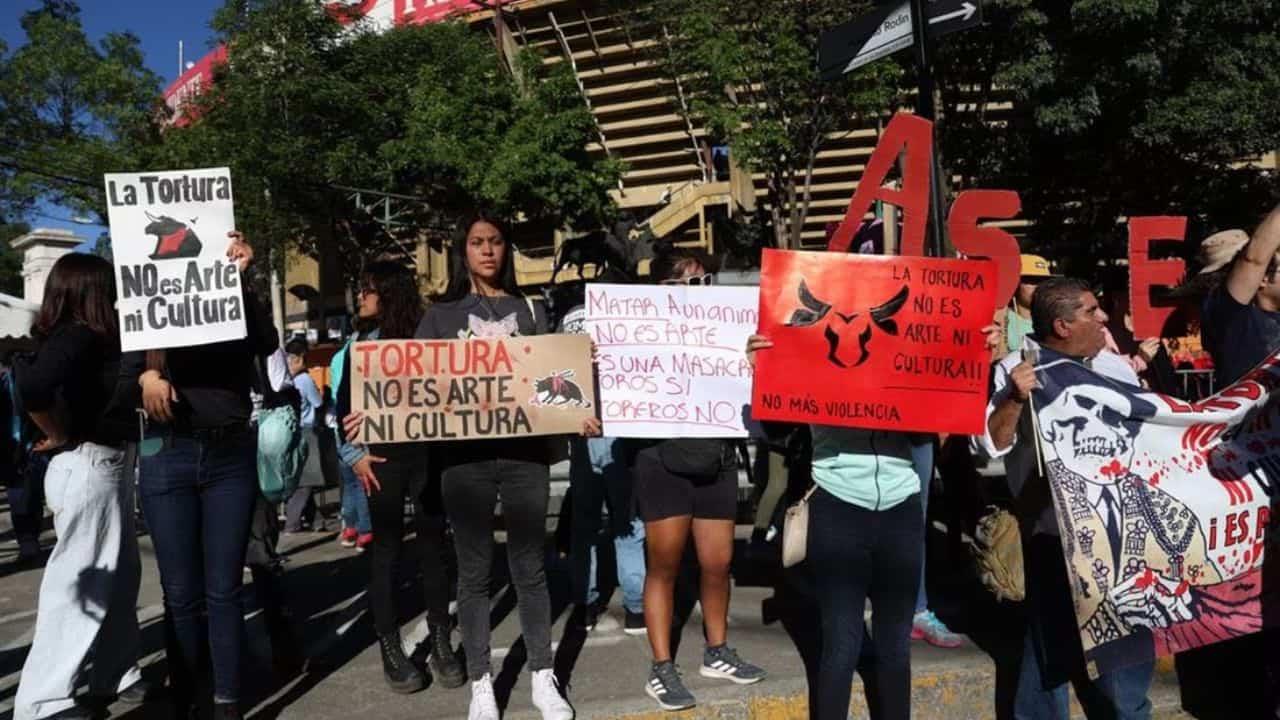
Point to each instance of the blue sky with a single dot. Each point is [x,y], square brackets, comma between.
[159,24]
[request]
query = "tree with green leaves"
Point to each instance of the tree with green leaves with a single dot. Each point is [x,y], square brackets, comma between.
[1119,108]
[748,70]
[11,282]
[307,109]
[70,111]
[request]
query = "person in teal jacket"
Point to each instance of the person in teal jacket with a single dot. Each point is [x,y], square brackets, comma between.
[357,528]
[866,529]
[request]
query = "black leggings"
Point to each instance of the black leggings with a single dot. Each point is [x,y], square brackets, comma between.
[402,476]
[855,554]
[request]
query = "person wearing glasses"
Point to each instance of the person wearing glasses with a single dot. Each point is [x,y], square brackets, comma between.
[688,488]
[391,308]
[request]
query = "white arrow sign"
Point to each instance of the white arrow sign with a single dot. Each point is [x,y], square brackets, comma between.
[965,12]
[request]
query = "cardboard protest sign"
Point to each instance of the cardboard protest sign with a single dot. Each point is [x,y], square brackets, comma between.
[169,239]
[672,358]
[428,390]
[891,343]
[1164,507]
[1149,319]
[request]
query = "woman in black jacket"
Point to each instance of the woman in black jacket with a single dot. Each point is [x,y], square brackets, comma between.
[391,308]
[90,586]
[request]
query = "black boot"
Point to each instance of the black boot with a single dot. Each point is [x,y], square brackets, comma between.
[444,663]
[401,675]
[226,711]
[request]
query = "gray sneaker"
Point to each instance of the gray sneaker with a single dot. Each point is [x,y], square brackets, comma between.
[723,663]
[666,687]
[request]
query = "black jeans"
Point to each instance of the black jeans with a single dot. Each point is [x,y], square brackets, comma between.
[198,498]
[471,491]
[855,554]
[405,475]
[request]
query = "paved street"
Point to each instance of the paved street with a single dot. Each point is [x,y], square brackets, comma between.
[604,670]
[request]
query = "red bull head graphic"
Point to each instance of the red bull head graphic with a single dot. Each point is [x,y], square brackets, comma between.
[174,239]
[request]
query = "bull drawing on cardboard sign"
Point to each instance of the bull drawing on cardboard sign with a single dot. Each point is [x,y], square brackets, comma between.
[855,327]
[174,239]
[557,390]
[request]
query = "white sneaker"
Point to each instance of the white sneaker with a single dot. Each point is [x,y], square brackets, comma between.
[484,706]
[547,697]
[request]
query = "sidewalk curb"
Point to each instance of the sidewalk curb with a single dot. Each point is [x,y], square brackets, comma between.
[941,695]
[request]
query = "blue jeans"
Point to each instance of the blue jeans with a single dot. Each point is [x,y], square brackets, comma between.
[593,490]
[628,553]
[355,504]
[198,498]
[922,460]
[1053,656]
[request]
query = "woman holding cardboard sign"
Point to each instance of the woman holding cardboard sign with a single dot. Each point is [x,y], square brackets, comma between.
[391,308]
[483,300]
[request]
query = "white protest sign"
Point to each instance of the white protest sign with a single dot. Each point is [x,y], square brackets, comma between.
[175,285]
[672,358]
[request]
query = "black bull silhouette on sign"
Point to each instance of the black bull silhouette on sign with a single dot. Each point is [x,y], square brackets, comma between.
[557,390]
[173,238]
[856,325]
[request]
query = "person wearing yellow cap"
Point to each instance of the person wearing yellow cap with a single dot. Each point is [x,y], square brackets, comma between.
[1017,324]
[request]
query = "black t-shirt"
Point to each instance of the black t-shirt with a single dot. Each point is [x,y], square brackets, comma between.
[484,317]
[213,381]
[76,374]
[1238,337]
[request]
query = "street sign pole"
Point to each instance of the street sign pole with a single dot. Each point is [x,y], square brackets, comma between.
[925,109]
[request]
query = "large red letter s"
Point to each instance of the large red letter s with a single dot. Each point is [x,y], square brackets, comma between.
[988,242]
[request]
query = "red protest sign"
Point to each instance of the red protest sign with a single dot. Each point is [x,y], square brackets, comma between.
[1144,273]
[892,343]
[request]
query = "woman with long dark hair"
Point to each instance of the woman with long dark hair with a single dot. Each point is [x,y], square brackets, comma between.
[198,481]
[390,308]
[483,300]
[90,587]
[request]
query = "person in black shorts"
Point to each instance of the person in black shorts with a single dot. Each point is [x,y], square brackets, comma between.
[683,487]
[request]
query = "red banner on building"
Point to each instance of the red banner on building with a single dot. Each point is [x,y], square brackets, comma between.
[892,343]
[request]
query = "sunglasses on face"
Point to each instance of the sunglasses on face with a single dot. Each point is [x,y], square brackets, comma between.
[705,279]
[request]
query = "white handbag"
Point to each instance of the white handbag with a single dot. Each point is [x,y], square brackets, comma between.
[795,531]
